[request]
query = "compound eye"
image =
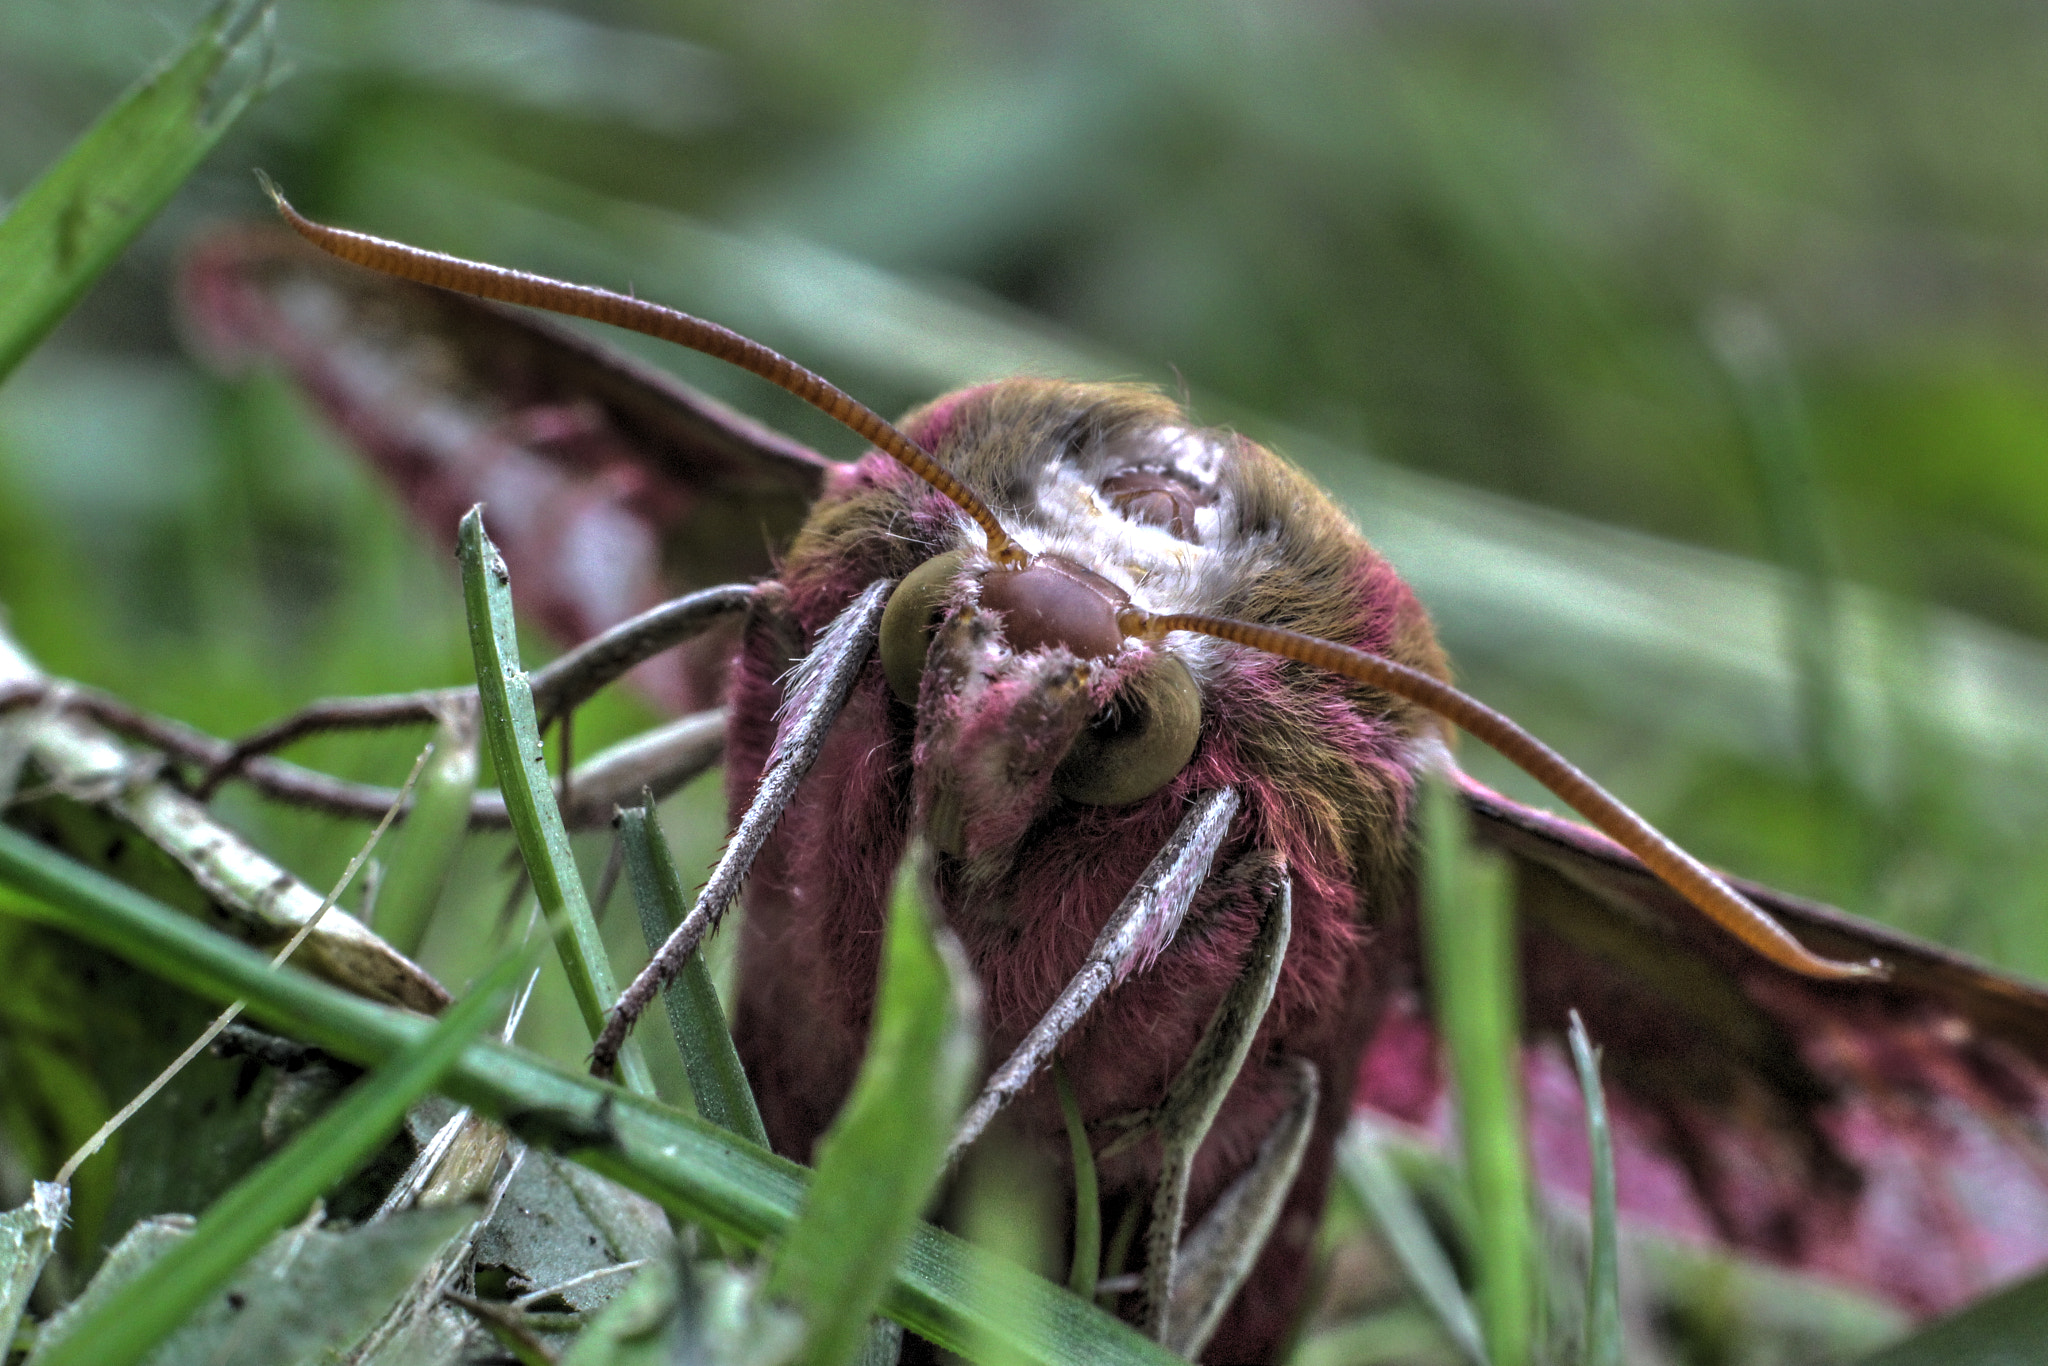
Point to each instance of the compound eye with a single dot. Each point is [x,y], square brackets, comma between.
[1136,745]
[911,619]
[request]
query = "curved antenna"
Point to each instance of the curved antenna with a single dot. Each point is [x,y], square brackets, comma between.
[1683,873]
[653,320]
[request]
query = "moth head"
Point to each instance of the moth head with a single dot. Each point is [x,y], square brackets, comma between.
[1131,745]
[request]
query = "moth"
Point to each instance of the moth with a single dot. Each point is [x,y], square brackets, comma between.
[1160,714]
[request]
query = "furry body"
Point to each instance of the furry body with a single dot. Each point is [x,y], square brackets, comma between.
[1325,770]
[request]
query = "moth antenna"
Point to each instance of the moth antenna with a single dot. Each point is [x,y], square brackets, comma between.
[653,320]
[1683,873]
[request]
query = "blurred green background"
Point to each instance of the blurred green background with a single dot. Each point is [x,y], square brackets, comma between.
[1690,360]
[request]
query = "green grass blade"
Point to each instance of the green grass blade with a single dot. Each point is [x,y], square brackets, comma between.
[1469,936]
[431,838]
[942,1289]
[136,1318]
[1087,1263]
[880,1162]
[717,1080]
[1793,501]
[1007,1201]
[1395,1337]
[1401,1223]
[1603,1270]
[513,734]
[68,227]
[2005,1329]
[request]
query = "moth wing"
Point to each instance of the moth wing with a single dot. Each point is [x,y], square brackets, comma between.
[1890,1136]
[609,484]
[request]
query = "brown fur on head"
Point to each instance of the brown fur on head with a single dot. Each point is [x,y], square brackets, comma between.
[1262,543]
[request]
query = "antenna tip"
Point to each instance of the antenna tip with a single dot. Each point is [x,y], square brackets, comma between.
[1868,970]
[284,208]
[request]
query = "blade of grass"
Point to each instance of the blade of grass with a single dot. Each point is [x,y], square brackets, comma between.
[1781,456]
[1087,1264]
[136,1318]
[880,1162]
[513,734]
[1469,937]
[1603,1270]
[67,228]
[942,1289]
[1405,1229]
[434,830]
[1394,1337]
[2005,1329]
[1007,1200]
[717,1080]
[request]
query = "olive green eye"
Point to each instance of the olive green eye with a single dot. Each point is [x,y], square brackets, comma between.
[1137,746]
[910,618]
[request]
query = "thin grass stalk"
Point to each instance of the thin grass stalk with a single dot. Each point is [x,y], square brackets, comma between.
[718,1082]
[513,733]
[1603,1269]
[1469,936]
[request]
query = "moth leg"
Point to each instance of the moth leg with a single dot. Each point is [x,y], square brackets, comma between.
[817,693]
[1216,1257]
[1145,922]
[1191,1103]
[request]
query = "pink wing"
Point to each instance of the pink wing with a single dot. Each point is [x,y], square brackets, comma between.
[610,485]
[1890,1136]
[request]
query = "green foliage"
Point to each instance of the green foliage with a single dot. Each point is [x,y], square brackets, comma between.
[698,1313]
[426,847]
[1417,1250]
[718,1082]
[1086,1265]
[2005,1329]
[1009,1203]
[129,1324]
[1603,1268]
[308,1294]
[879,1164]
[1469,938]
[68,227]
[512,733]
[942,1288]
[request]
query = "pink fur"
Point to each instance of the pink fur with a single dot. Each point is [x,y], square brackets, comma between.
[815,903]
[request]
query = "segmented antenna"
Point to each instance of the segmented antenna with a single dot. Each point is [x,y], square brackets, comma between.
[653,320]
[1683,873]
